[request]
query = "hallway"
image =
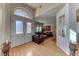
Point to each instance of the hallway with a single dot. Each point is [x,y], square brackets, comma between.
[47,48]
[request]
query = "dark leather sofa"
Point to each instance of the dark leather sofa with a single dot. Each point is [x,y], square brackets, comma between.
[37,38]
[49,34]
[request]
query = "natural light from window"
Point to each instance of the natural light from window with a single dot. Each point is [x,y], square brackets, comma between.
[20,12]
[38,29]
[73,36]
[19,27]
[28,27]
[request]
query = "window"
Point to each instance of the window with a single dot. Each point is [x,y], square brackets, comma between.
[73,37]
[22,13]
[19,27]
[38,29]
[28,27]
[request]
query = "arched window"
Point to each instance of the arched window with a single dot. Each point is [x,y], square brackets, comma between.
[22,13]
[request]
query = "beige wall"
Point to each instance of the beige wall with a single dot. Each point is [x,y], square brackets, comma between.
[2,24]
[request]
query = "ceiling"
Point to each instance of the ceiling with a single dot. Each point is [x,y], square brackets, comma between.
[37,5]
[46,12]
[50,14]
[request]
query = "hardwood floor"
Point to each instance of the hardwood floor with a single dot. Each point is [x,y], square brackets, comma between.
[47,48]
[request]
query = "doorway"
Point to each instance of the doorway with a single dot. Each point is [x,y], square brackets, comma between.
[21,30]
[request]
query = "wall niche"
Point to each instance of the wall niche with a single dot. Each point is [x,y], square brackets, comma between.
[62,26]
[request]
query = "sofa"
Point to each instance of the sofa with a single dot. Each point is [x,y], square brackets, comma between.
[38,38]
